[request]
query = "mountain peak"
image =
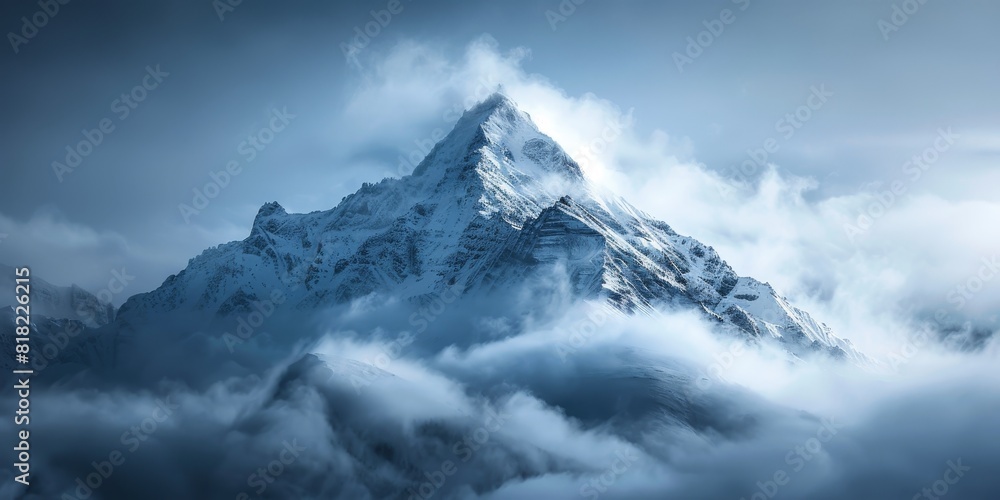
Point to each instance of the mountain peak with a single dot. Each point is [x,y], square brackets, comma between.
[270,208]
[498,111]
[265,216]
[495,205]
[496,101]
[495,137]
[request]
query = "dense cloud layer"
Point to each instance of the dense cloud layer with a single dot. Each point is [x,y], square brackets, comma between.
[575,402]
[897,254]
[502,398]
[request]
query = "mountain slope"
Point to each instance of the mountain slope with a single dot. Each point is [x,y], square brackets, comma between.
[494,204]
[64,320]
[59,302]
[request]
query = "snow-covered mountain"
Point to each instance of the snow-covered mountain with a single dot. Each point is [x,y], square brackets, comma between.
[494,204]
[64,322]
[58,302]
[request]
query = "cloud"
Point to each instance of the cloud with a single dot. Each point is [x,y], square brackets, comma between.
[867,263]
[620,415]
[43,240]
[494,398]
[53,244]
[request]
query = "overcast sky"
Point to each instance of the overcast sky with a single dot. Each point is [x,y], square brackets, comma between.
[781,132]
[889,91]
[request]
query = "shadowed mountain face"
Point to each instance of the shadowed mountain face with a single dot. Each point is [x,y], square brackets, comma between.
[60,302]
[492,326]
[64,313]
[494,205]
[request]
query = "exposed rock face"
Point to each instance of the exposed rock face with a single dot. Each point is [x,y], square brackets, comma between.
[492,204]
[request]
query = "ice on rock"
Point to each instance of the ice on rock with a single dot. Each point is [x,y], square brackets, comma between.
[493,204]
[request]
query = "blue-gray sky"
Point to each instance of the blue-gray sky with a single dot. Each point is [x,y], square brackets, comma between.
[892,90]
[837,216]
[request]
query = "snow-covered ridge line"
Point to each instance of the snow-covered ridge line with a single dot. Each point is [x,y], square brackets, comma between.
[493,204]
